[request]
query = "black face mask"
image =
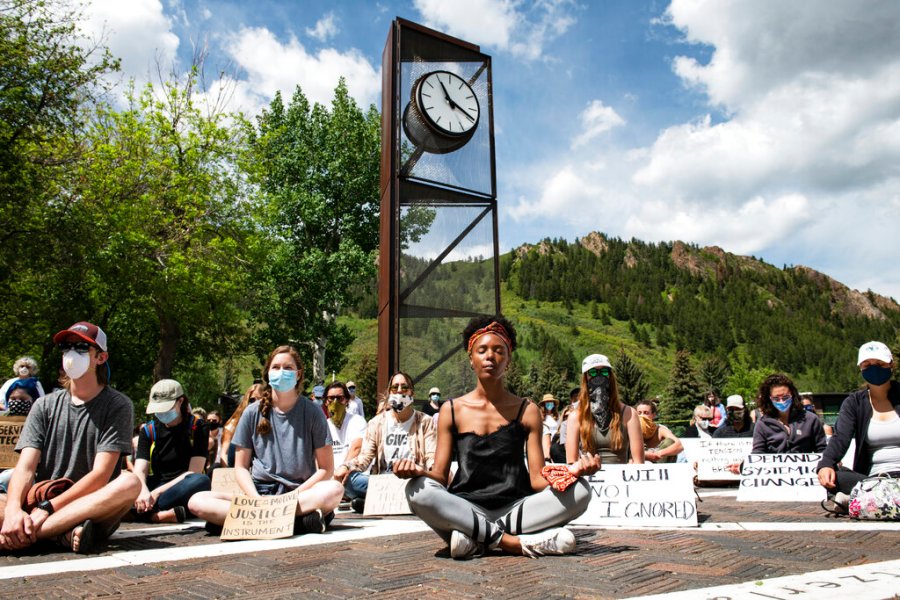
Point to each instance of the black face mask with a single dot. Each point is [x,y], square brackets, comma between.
[213,425]
[598,388]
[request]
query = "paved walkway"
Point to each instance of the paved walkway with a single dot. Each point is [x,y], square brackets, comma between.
[757,550]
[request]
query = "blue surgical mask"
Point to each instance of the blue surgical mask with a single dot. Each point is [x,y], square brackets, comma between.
[548,405]
[167,417]
[783,406]
[809,408]
[435,397]
[876,375]
[282,380]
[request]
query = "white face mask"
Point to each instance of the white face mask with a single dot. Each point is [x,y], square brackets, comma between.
[23,371]
[703,423]
[75,365]
[399,402]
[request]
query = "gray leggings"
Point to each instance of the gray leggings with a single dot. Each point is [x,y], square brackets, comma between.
[445,512]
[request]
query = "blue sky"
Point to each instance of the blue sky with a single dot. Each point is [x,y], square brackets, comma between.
[768,128]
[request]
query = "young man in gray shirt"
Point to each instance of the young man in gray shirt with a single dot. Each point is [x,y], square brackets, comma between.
[79,433]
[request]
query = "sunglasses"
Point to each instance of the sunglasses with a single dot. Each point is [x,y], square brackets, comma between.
[79,347]
[399,387]
[598,372]
[330,398]
[784,398]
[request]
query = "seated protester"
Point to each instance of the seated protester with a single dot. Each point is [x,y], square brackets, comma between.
[738,423]
[214,422]
[171,456]
[550,419]
[431,406]
[24,368]
[226,450]
[498,497]
[699,426]
[20,397]
[784,427]
[602,424]
[282,445]
[78,433]
[397,432]
[660,444]
[871,416]
[347,430]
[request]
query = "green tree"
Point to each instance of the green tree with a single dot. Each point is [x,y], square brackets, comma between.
[318,171]
[713,374]
[746,378]
[629,379]
[683,391]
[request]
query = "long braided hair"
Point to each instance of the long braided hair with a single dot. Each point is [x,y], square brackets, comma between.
[265,400]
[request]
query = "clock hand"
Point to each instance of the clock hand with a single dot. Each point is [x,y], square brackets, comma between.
[465,112]
[447,95]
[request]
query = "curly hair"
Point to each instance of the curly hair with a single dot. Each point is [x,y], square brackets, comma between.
[25,361]
[481,322]
[765,403]
[265,400]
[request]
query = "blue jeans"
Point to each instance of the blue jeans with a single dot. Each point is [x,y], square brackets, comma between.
[181,492]
[357,485]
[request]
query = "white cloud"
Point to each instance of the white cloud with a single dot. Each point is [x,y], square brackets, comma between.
[271,65]
[141,36]
[596,119]
[506,25]
[325,28]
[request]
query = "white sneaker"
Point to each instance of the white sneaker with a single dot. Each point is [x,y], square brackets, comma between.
[551,541]
[463,547]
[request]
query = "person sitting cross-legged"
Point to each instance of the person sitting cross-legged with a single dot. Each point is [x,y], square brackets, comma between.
[67,485]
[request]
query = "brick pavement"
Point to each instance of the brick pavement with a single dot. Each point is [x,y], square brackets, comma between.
[612,563]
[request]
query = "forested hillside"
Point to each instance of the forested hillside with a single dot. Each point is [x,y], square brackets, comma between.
[678,319]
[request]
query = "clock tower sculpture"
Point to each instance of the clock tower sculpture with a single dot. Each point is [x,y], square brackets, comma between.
[438,252]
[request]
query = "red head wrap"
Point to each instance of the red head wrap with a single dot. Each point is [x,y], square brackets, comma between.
[495,328]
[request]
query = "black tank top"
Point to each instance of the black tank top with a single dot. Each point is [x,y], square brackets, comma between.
[492,471]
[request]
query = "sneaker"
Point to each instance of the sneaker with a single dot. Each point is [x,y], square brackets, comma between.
[358,505]
[552,541]
[463,547]
[313,522]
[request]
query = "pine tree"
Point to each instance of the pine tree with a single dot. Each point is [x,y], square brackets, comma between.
[629,379]
[683,392]
[714,374]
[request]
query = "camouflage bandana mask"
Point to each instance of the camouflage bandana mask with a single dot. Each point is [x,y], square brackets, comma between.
[598,388]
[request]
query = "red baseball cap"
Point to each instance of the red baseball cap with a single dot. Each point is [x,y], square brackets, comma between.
[84,331]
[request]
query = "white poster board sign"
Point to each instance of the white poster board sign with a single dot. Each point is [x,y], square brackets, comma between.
[642,496]
[780,478]
[223,480]
[714,456]
[261,518]
[386,496]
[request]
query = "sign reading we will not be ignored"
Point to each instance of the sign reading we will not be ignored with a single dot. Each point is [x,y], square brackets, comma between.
[642,496]
[261,518]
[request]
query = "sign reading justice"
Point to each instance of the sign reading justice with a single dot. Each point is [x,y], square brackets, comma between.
[642,496]
[262,518]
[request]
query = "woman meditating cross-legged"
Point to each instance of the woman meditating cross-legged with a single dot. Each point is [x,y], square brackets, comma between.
[496,499]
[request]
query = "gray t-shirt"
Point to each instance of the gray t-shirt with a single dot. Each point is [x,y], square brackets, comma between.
[69,436]
[287,454]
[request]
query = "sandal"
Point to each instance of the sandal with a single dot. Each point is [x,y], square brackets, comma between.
[835,508]
[180,514]
[85,538]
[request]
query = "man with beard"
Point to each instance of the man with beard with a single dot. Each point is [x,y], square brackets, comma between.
[602,424]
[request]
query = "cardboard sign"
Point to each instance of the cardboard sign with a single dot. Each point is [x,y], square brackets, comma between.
[223,480]
[10,428]
[263,518]
[780,478]
[642,496]
[714,456]
[386,496]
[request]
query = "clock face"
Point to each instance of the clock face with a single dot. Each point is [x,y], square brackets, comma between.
[447,103]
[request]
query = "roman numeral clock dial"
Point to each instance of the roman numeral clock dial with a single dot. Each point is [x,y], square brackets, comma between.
[443,112]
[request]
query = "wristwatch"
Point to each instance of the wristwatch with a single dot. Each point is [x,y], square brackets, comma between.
[46,505]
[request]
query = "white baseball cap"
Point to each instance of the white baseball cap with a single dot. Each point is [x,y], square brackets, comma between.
[875,350]
[593,361]
[735,400]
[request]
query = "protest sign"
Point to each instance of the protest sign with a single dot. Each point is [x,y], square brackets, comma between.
[642,496]
[714,456]
[780,478]
[386,496]
[10,428]
[223,480]
[262,518]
